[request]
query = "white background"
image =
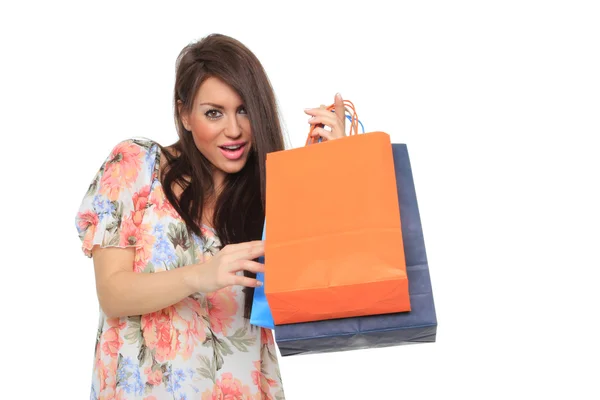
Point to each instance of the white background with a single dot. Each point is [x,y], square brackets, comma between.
[498,102]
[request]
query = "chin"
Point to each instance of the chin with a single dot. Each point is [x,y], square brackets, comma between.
[233,167]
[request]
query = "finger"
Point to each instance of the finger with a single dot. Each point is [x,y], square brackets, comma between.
[314,111]
[245,281]
[340,111]
[324,133]
[246,265]
[234,248]
[328,119]
[331,121]
[246,253]
[324,115]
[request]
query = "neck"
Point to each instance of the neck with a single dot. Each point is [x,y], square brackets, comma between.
[218,182]
[210,200]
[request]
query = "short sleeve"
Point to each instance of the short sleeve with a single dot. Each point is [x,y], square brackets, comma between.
[112,210]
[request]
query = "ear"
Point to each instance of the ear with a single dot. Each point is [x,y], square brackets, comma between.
[184,116]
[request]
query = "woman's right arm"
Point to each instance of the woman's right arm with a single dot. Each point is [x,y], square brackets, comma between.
[122,292]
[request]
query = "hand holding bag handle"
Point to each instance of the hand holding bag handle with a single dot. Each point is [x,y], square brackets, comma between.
[353,118]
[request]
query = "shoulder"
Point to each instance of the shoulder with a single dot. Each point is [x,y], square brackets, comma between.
[134,154]
[131,164]
[133,147]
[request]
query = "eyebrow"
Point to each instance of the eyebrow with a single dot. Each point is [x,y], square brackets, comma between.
[212,105]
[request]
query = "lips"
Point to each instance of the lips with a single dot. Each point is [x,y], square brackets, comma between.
[233,151]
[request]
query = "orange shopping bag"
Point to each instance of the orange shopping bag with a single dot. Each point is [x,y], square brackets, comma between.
[334,246]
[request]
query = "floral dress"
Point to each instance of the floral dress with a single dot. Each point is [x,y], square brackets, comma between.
[200,348]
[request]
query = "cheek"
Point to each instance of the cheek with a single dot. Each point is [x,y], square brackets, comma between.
[204,132]
[246,127]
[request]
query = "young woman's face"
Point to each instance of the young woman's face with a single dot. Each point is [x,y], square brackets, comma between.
[220,127]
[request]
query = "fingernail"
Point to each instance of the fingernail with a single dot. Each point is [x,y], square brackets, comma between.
[338,95]
[259,283]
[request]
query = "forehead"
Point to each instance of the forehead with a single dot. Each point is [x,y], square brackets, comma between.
[214,90]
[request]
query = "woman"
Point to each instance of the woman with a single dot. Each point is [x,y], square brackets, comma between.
[174,235]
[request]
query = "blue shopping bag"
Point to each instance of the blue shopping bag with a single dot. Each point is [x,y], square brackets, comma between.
[261,313]
[416,326]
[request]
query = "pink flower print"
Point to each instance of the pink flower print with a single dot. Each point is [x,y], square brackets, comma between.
[107,374]
[130,233]
[190,325]
[140,203]
[161,205]
[160,335]
[228,388]
[266,337]
[111,338]
[262,382]
[121,171]
[144,247]
[87,222]
[154,377]
[112,342]
[222,307]
[86,219]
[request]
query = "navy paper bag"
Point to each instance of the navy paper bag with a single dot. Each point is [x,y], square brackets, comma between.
[417,326]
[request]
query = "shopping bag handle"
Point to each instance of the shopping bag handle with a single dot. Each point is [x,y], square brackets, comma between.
[353,118]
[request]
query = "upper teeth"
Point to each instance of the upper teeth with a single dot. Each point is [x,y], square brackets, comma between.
[233,147]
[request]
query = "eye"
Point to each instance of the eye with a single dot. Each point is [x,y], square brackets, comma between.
[212,114]
[242,110]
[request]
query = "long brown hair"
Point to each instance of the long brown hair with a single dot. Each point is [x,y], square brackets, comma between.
[240,207]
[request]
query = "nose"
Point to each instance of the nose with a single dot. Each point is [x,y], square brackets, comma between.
[233,130]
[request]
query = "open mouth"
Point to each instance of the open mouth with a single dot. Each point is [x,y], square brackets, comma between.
[232,148]
[233,152]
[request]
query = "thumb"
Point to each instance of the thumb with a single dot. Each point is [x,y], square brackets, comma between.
[340,111]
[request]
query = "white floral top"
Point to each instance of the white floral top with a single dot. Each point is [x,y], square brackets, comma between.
[200,348]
